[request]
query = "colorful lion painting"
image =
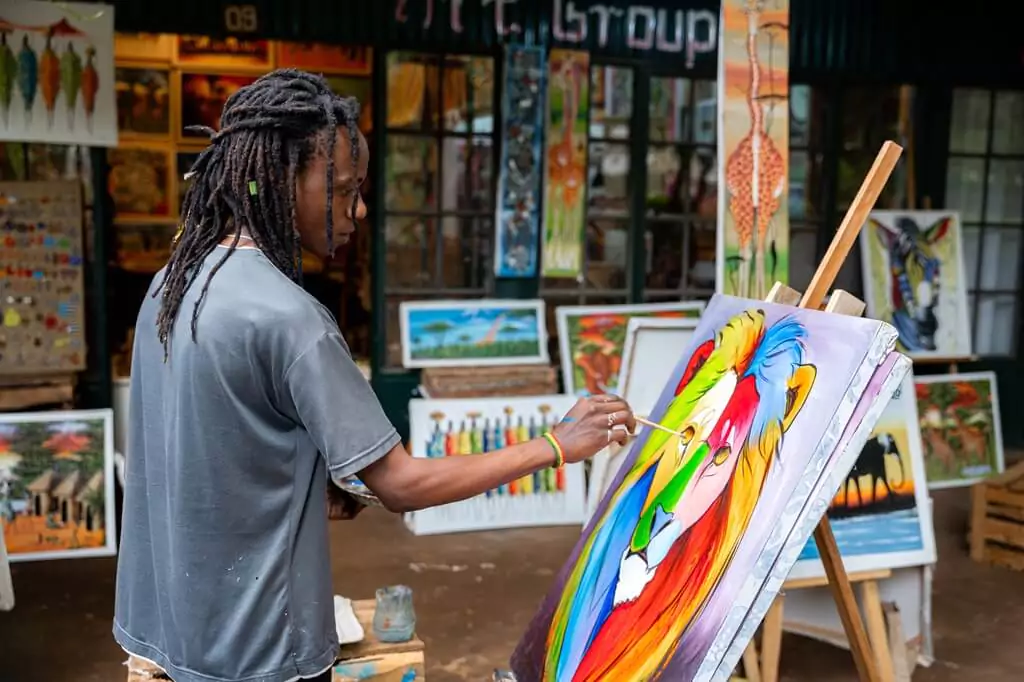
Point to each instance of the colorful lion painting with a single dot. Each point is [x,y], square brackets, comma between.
[669,530]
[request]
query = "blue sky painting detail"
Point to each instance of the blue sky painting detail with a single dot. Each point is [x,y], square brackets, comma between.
[466,333]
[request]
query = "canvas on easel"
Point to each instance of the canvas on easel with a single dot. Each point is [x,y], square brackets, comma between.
[763,412]
[651,345]
[759,402]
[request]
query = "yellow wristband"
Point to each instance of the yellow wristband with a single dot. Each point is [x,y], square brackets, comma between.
[557,447]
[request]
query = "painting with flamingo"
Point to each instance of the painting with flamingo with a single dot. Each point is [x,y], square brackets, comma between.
[568,106]
[753,138]
[57,73]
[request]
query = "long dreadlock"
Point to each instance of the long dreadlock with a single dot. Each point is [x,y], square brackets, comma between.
[245,178]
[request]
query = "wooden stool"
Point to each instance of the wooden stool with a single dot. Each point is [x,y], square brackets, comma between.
[997,519]
[376,661]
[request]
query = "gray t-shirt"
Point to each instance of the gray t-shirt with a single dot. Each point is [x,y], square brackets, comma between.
[224,572]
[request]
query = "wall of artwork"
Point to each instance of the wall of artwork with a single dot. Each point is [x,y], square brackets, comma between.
[166,83]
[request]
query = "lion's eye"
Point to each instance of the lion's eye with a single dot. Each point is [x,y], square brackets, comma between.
[721,455]
[687,434]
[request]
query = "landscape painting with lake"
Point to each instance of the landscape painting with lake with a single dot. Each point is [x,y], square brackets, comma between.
[472,333]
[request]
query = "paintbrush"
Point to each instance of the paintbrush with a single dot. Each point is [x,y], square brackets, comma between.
[654,425]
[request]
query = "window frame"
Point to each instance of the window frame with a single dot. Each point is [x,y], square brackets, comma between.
[438,135]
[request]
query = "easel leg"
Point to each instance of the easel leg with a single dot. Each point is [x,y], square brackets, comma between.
[751,666]
[875,618]
[771,641]
[842,591]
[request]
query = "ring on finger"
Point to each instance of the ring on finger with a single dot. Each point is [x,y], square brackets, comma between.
[611,420]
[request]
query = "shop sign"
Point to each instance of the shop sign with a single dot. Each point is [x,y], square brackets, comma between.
[583,24]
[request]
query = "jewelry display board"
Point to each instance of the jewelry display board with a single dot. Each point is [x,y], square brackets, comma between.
[41,278]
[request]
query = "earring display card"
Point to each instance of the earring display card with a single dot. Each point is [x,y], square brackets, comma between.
[41,278]
[519,185]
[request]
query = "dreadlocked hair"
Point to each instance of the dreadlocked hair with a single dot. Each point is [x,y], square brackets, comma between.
[269,132]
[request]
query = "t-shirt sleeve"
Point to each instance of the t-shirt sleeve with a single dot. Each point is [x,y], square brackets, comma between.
[334,402]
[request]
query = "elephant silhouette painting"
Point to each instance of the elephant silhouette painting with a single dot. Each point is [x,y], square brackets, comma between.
[871,464]
[879,514]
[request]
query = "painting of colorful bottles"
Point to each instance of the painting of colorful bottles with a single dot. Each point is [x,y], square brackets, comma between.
[57,74]
[472,427]
[477,434]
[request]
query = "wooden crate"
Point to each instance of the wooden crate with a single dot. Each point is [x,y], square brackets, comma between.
[501,381]
[997,519]
[376,661]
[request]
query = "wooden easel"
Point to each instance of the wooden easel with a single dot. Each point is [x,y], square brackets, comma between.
[870,656]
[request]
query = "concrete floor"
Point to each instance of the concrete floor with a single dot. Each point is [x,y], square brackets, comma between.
[475,594]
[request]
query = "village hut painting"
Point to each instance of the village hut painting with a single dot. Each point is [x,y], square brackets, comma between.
[960,429]
[591,340]
[473,333]
[56,484]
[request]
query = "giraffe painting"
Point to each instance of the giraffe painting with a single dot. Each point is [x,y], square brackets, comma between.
[753,233]
[566,164]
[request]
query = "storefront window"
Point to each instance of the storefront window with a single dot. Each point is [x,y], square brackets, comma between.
[807,113]
[439,170]
[985,182]
[682,189]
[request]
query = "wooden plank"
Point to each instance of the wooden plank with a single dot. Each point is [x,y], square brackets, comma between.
[390,668]
[783,295]
[877,632]
[751,666]
[846,603]
[978,509]
[1003,496]
[1014,474]
[14,398]
[822,581]
[901,662]
[844,303]
[771,642]
[371,646]
[6,585]
[1007,558]
[1005,511]
[1004,532]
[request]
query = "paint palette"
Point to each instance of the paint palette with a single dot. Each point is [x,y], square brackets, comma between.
[41,278]
[357,489]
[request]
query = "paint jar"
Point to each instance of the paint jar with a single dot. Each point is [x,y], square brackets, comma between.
[394,619]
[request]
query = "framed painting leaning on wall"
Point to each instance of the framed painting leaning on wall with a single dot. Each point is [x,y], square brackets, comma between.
[57,484]
[961,432]
[913,268]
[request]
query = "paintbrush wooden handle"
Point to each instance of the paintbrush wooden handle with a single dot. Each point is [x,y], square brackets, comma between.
[653,425]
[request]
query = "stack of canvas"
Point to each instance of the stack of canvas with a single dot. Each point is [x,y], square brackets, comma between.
[770,406]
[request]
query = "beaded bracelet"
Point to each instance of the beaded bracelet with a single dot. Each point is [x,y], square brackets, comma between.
[557,447]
